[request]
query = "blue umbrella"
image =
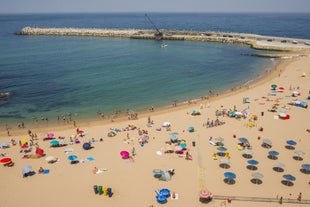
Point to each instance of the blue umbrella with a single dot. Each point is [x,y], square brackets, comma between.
[157,171]
[191,129]
[26,169]
[165,192]
[173,138]
[243,140]
[161,198]
[72,157]
[273,153]
[305,167]
[54,142]
[86,146]
[291,142]
[221,149]
[252,162]
[289,177]
[230,175]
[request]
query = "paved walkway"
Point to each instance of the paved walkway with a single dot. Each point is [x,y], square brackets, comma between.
[260,199]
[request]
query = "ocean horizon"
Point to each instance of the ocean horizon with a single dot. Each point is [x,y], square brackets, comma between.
[50,76]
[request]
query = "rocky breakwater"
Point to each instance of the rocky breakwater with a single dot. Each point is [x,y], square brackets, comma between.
[89,32]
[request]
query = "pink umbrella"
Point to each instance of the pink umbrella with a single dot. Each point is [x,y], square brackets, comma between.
[205,193]
[178,148]
[124,154]
[50,135]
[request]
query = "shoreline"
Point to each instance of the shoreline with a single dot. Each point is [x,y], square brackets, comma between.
[275,69]
[133,179]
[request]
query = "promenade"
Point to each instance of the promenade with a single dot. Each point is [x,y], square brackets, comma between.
[254,40]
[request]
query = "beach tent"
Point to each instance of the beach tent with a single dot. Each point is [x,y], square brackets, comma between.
[165,176]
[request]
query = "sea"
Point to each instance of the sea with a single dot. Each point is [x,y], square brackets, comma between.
[53,76]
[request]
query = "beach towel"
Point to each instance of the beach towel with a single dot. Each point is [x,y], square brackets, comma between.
[46,171]
[90,159]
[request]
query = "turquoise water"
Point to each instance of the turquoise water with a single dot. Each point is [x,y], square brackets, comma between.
[50,76]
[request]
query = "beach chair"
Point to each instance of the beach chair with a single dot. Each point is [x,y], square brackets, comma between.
[110,192]
[95,187]
[100,192]
[105,191]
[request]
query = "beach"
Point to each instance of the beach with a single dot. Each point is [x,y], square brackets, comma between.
[132,179]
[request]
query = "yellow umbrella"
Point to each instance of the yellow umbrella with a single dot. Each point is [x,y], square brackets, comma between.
[23,141]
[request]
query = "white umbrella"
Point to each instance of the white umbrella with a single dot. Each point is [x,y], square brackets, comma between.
[50,158]
[166,124]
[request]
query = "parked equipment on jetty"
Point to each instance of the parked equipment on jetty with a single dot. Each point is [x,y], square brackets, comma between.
[158,34]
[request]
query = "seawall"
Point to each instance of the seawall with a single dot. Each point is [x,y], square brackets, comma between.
[255,41]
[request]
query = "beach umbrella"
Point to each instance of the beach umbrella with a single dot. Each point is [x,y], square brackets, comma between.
[274,86]
[279,167]
[26,169]
[252,164]
[86,146]
[289,177]
[299,153]
[183,145]
[288,180]
[222,149]
[257,176]
[124,154]
[50,135]
[273,154]
[247,153]
[267,141]
[191,129]
[165,192]
[230,176]
[161,199]
[54,142]
[174,138]
[205,193]
[5,160]
[4,145]
[157,171]
[178,148]
[111,134]
[24,141]
[306,167]
[72,157]
[50,158]
[39,151]
[243,140]
[291,142]
[224,162]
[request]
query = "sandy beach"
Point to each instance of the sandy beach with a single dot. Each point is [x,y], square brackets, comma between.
[132,180]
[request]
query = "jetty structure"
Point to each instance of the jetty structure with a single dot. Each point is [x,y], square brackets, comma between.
[254,40]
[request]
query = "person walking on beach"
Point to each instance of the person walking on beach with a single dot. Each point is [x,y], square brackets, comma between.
[299,196]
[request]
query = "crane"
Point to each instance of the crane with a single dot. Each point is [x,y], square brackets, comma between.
[158,34]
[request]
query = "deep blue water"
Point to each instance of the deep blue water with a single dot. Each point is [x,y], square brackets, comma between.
[50,76]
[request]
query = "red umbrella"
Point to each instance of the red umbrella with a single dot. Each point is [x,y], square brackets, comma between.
[5,160]
[39,151]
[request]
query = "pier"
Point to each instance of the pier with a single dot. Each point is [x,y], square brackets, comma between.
[253,40]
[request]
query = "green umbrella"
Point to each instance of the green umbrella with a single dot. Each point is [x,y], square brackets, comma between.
[274,86]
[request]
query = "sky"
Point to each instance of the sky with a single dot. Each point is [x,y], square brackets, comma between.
[104,6]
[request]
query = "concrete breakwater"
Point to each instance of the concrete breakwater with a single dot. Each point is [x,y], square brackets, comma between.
[255,41]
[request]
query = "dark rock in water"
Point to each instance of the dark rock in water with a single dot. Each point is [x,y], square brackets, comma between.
[4,95]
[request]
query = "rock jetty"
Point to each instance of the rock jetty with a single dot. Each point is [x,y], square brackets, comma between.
[254,40]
